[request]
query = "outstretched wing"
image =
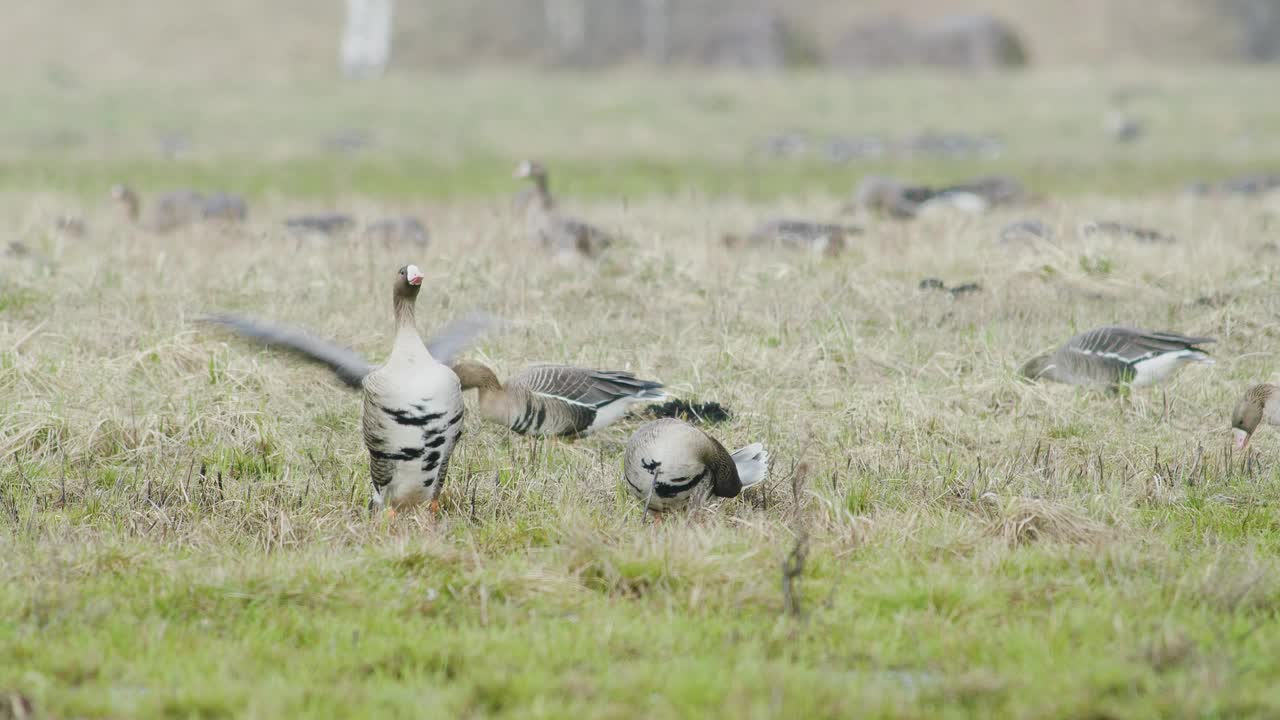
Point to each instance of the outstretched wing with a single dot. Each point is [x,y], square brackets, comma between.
[459,335]
[346,363]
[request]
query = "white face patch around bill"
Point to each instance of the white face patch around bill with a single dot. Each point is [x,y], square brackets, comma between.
[413,275]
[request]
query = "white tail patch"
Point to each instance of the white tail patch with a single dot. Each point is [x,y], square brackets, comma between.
[753,464]
[1160,367]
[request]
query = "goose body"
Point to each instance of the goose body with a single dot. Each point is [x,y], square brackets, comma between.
[412,415]
[556,399]
[1116,355]
[548,228]
[412,420]
[670,463]
[824,238]
[1261,403]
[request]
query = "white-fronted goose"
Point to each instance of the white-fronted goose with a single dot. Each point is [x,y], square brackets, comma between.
[396,230]
[550,229]
[824,238]
[1260,403]
[412,402]
[670,462]
[556,399]
[1115,355]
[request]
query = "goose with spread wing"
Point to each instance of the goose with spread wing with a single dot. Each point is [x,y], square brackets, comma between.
[412,402]
[1117,355]
[556,399]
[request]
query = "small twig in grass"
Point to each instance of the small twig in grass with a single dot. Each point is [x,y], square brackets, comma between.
[792,569]
[187,480]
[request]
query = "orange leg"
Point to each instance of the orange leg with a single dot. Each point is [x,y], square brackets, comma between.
[435,508]
[391,513]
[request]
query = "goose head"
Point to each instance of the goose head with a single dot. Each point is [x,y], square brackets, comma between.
[127,198]
[1040,366]
[408,282]
[1249,413]
[530,169]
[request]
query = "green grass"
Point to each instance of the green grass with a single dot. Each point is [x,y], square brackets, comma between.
[182,517]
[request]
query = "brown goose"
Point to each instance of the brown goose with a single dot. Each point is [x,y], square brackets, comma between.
[412,402]
[669,463]
[814,237]
[552,230]
[1260,403]
[1115,355]
[556,399]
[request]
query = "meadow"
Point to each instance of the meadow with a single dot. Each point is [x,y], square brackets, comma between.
[183,519]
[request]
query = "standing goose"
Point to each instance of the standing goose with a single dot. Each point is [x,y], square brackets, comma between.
[556,399]
[823,238]
[1260,402]
[412,402]
[550,229]
[669,462]
[1115,355]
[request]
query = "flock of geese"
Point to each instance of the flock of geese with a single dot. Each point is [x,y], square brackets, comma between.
[413,402]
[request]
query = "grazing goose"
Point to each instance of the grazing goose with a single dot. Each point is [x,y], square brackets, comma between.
[556,399]
[225,207]
[393,230]
[176,209]
[412,402]
[1260,402]
[171,210]
[1115,355]
[325,224]
[549,228]
[815,237]
[670,462]
[1113,229]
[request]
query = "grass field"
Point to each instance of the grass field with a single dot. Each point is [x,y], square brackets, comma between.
[182,519]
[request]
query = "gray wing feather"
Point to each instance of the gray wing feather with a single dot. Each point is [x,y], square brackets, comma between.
[1131,345]
[346,363]
[460,334]
[588,388]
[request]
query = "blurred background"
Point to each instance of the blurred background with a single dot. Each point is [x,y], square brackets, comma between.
[231,39]
[439,98]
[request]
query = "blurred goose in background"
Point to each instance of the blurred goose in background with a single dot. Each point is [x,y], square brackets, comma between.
[550,229]
[1113,229]
[322,224]
[556,399]
[397,230]
[1115,355]
[815,237]
[179,208]
[225,207]
[170,211]
[1260,403]
[669,463]
[412,402]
